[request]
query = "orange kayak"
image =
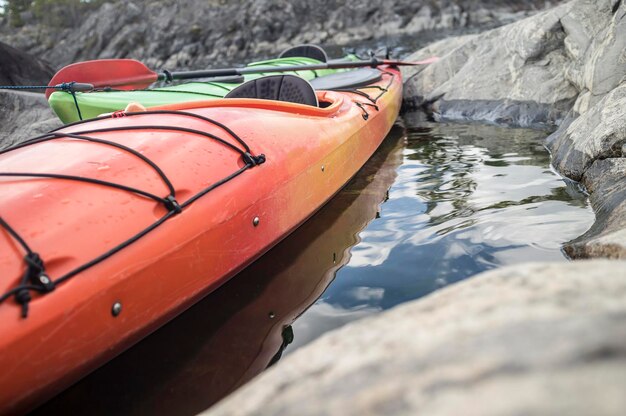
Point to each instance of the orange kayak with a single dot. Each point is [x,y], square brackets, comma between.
[168,204]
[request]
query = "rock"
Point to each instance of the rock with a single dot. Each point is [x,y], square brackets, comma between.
[19,68]
[606,180]
[24,115]
[511,75]
[156,31]
[599,133]
[527,339]
[564,69]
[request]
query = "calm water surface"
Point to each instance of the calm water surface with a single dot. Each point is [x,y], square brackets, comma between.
[436,204]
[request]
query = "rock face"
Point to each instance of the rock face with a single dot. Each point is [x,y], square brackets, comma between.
[19,68]
[529,339]
[563,68]
[24,115]
[515,74]
[197,33]
[605,180]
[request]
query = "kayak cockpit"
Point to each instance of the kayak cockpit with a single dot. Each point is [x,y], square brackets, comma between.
[329,104]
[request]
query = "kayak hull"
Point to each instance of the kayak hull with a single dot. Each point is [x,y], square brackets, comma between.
[93,104]
[310,154]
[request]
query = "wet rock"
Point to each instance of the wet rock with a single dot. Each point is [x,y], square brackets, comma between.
[565,69]
[24,115]
[528,339]
[606,180]
[19,68]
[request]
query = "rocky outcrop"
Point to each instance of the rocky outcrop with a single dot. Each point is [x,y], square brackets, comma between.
[528,339]
[606,182]
[24,115]
[564,68]
[197,33]
[511,75]
[19,68]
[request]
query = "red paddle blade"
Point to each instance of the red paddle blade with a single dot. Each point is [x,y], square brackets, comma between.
[124,74]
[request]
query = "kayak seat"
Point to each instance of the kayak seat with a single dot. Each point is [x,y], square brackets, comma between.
[289,88]
[305,51]
[348,79]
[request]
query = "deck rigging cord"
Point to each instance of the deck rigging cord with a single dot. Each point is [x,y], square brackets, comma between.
[69,87]
[35,278]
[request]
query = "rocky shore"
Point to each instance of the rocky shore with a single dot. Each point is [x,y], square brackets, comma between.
[23,114]
[198,33]
[528,339]
[532,338]
[561,69]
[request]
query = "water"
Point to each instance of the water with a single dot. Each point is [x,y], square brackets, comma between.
[435,205]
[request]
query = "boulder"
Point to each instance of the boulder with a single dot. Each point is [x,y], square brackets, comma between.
[20,68]
[512,75]
[606,180]
[527,339]
[599,133]
[563,69]
[24,115]
[197,33]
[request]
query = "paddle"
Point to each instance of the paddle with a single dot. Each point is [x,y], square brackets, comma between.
[129,74]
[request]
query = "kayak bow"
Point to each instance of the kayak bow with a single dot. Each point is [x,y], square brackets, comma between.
[136,216]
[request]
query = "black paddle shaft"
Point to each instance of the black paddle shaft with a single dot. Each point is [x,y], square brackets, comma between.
[227,72]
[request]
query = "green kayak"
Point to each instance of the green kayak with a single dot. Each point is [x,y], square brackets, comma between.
[95,103]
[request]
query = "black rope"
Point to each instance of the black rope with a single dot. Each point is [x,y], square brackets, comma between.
[66,86]
[35,273]
[361,93]
[34,278]
[115,249]
[80,116]
[15,235]
[165,112]
[365,114]
[382,90]
[373,100]
[132,151]
[88,180]
[165,128]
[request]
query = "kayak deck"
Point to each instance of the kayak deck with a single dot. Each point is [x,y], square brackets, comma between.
[93,104]
[105,246]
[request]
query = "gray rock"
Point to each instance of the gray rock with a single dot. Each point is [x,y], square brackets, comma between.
[528,339]
[606,180]
[564,68]
[511,75]
[599,133]
[24,115]
[157,31]
[19,68]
